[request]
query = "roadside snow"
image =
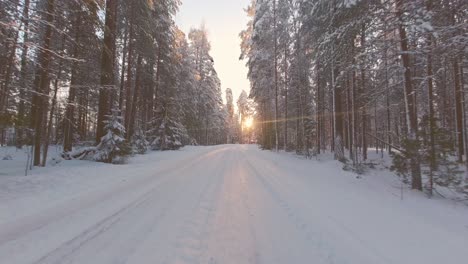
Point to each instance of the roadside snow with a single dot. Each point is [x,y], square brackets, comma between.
[45,187]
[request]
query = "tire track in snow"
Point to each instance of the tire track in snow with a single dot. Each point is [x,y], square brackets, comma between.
[67,249]
[190,243]
[321,248]
[64,251]
[320,238]
[9,232]
[255,257]
[232,237]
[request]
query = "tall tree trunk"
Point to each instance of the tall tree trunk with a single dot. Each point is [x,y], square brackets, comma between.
[430,90]
[337,113]
[10,65]
[69,123]
[82,125]
[465,123]
[5,94]
[41,82]
[276,72]
[21,122]
[354,117]
[319,110]
[338,125]
[412,125]
[122,71]
[136,91]
[458,110]
[51,113]
[387,100]
[286,121]
[128,97]
[363,104]
[150,94]
[156,86]
[349,116]
[107,66]
[206,129]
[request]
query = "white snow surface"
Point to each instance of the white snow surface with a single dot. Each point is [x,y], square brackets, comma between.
[224,204]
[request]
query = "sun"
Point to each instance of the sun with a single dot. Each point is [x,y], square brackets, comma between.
[249,122]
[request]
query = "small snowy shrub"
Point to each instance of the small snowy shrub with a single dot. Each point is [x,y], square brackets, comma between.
[113,146]
[401,160]
[167,133]
[359,169]
[139,143]
[55,161]
[445,171]
[193,142]
[83,153]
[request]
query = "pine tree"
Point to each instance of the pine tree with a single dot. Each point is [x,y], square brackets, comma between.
[230,116]
[167,133]
[113,147]
[139,143]
[211,115]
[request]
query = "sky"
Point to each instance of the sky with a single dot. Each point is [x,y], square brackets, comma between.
[224,20]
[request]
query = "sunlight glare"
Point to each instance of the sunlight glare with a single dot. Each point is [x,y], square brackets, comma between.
[249,122]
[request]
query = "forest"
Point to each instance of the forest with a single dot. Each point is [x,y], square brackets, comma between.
[107,79]
[353,76]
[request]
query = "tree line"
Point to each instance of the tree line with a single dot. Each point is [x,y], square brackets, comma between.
[114,76]
[350,75]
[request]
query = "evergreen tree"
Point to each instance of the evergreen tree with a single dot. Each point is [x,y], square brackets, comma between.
[139,143]
[113,147]
[167,133]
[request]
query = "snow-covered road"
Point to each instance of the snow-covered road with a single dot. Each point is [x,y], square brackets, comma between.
[228,204]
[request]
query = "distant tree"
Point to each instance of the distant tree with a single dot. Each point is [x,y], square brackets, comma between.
[139,143]
[211,111]
[230,115]
[167,133]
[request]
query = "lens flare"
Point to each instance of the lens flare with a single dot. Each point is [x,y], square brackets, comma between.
[249,122]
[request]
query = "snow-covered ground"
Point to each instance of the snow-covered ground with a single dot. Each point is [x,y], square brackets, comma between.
[224,204]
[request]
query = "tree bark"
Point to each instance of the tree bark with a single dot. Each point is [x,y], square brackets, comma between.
[432,125]
[387,101]
[128,97]
[21,122]
[319,110]
[412,125]
[5,94]
[363,103]
[122,71]
[286,121]
[51,114]
[40,97]
[349,108]
[70,110]
[458,110]
[276,73]
[136,91]
[107,66]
